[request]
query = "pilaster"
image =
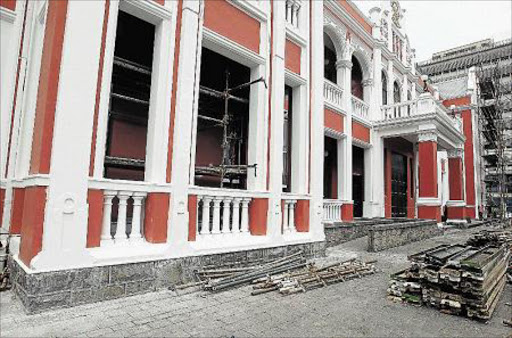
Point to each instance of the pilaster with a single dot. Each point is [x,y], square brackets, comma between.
[429,205]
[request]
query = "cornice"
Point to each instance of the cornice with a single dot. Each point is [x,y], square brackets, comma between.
[7,15]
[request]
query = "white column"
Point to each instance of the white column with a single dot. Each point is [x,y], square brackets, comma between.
[135,234]
[236,215]
[291,216]
[244,224]
[108,196]
[216,215]
[66,211]
[345,153]
[285,214]
[226,208]
[121,215]
[375,177]
[205,223]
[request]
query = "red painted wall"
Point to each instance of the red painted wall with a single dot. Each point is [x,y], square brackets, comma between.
[355,15]
[95,202]
[229,21]
[292,54]
[2,202]
[9,4]
[427,153]
[258,209]
[155,222]
[48,87]
[347,212]
[192,217]
[467,125]
[302,216]
[333,120]
[32,223]
[455,178]
[18,202]
[360,132]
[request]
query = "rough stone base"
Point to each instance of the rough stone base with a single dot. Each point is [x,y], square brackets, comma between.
[382,237]
[50,290]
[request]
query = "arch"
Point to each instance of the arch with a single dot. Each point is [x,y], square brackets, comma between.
[330,59]
[357,88]
[364,60]
[333,32]
[397,95]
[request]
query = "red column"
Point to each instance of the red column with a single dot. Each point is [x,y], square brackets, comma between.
[456,206]
[428,207]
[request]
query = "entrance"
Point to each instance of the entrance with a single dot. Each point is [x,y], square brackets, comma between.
[330,168]
[358,180]
[398,185]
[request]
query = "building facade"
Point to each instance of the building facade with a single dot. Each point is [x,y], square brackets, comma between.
[486,67]
[144,131]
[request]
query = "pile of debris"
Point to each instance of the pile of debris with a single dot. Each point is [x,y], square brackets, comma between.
[287,275]
[457,279]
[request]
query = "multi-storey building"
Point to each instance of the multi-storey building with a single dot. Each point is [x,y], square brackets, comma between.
[486,66]
[141,138]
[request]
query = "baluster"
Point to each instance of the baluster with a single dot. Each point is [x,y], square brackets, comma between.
[245,215]
[291,216]
[121,215]
[205,222]
[235,226]
[225,215]
[338,211]
[107,214]
[136,218]
[285,215]
[216,215]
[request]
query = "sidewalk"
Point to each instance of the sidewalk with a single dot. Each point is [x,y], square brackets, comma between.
[353,308]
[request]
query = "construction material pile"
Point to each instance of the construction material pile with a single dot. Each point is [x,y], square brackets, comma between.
[458,279]
[287,275]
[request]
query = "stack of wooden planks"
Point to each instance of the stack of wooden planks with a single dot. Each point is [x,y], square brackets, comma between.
[458,279]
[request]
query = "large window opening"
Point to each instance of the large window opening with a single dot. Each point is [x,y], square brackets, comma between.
[357,79]
[396,93]
[329,59]
[330,168]
[223,123]
[129,99]
[358,180]
[287,139]
[384,89]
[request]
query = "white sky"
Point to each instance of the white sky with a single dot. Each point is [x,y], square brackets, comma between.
[436,25]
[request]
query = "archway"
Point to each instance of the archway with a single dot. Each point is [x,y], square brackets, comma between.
[330,72]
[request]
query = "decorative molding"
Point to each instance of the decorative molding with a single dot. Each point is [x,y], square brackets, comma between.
[344,64]
[250,9]
[360,143]
[367,82]
[7,15]
[338,135]
[294,79]
[427,136]
[455,153]
[455,203]
[150,7]
[428,201]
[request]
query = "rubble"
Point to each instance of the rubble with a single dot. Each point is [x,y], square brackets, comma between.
[463,279]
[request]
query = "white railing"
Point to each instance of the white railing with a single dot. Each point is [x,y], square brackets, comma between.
[292,12]
[360,108]
[289,215]
[222,213]
[332,210]
[333,94]
[128,225]
[399,110]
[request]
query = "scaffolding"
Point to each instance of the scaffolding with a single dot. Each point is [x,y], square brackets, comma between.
[494,123]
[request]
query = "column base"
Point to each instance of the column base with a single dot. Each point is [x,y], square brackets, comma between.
[430,212]
[347,212]
[373,209]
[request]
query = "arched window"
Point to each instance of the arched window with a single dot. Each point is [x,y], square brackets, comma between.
[357,79]
[384,88]
[329,59]
[396,93]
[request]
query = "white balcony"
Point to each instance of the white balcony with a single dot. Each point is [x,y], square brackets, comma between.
[333,95]
[360,108]
[332,211]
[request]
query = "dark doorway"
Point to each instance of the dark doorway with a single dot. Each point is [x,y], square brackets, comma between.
[331,168]
[358,180]
[398,185]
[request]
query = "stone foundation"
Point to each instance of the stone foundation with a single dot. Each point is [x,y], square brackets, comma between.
[382,237]
[51,290]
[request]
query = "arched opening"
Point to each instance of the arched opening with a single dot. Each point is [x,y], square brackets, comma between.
[357,79]
[384,82]
[396,93]
[329,59]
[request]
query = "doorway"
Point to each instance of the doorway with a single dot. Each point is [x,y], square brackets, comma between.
[358,180]
[398,185]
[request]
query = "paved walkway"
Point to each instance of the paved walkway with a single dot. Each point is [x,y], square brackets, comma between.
[354,308]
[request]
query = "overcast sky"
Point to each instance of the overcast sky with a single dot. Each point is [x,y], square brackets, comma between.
[435,25]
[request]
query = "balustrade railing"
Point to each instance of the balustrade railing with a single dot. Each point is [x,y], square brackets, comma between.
[289,215]
[333,94]
[360,108]
[332,210]
[223,214]
[399,110]
[123,216]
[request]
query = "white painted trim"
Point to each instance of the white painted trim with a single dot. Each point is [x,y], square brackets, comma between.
[334,133]
[7,15]
[250,9]
[335,109]
[109,184]
[360,143]
[428,201]
[147,10]
[39,180]
[295,37]
[292,79]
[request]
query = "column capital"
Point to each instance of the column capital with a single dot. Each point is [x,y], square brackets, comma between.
[427,136]
[343,64]
[367,82]
[455,153]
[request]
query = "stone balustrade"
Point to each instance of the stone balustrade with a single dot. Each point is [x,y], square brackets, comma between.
[332,211]
[333,94]
[289,215]
[226,213]
[360,108]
